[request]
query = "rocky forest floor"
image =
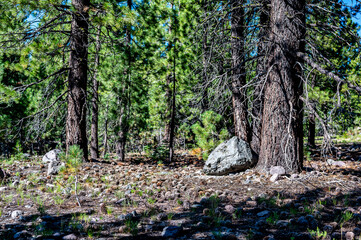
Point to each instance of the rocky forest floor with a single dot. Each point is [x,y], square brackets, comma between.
[142,199]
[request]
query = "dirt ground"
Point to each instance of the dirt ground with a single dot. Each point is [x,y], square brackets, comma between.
[142,199]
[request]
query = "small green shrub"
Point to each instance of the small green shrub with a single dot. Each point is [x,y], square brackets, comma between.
[208,133]
[73,159]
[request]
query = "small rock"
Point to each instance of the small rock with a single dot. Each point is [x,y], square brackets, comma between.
[282,224]
[206,211]
[230,209]
[3,189]
[251,203]
[264,213]
[22,235]
[349,236]
[171,231]
[336,163]
[294,176]
[328,229]
[16,214]
[277,170]
[260,224]
[302,222]
[123,229]
[70,237]
[357,231]
[161,216]
[274,177]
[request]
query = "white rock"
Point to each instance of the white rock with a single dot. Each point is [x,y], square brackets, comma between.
[277,170]
[51,156]
[16,214]
[274,177]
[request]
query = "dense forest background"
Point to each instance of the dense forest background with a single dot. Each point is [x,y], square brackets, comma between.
[149,76]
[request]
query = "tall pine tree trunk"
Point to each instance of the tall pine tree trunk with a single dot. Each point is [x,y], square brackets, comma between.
[239,98]
[172,119]
[258,95]
[94,148]
[77,79]
[282,130]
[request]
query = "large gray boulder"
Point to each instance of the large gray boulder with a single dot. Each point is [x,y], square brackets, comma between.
[54,164]
[51,156]
[230,156]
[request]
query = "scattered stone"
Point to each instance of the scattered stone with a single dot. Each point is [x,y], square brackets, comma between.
[264,213]
[16,214]
[123,229]
[277,170]
[3,188]
[328,229]
[70,237]
[349,236]
[161,216]
[251,203]
[336,163]
[206,211]
[282,223]
[274,177]
[171,231]
[230,156]
[22,235]
[229,208]
[294,176]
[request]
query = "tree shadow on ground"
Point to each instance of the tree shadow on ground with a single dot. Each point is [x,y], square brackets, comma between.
[281,215]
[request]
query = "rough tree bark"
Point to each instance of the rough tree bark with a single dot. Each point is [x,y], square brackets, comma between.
[239,99]
[77,79]
[258,95]
[282,129]
[94,147]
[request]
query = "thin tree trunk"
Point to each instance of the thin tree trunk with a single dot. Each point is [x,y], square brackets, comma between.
[77,79]
[123,120]
[121,135]
[282,131]
[94,148]
[204,100]
[239,99]
[258,95]
[311,130]
[172,120]
[106,131]
[168,113]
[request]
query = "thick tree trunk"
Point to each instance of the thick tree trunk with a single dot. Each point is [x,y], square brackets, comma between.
[282,129]
[239,98]
[77,79]
[258,95]
[94,148]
